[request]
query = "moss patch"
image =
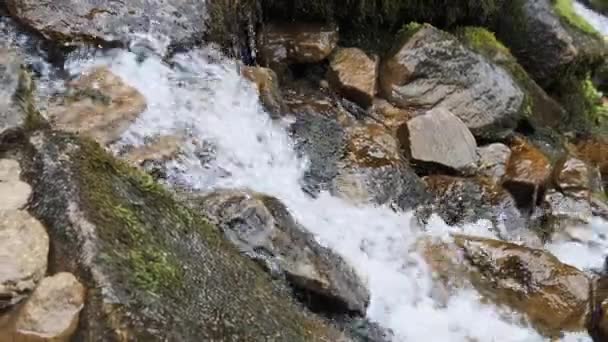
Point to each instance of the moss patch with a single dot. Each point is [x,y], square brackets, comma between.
[565,9]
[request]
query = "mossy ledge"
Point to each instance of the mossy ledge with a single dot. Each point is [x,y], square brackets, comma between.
[155,270]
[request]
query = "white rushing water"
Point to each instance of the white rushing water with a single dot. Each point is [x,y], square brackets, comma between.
[203,96]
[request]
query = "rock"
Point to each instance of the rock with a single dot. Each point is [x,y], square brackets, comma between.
[15,193]
[372,170]
[594,151]
[572,177]
[261,227]
[98,104]
[24,247]
[599,207]
[563,210]
[267,85]
[13,92]
[468,200]
[562,39]
[552,295]
[597,325]
[528,171]
[133,246]
[493,160]
[295,43]
[353,74]
[51,313]
[388,115]
[431,69]
[439,138]
[161,148]
[72,21]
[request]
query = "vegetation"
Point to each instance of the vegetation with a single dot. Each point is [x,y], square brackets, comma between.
[565,9]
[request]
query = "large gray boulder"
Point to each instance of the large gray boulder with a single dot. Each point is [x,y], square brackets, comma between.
[548,40]
[261,227]
[72,21]
[430,68]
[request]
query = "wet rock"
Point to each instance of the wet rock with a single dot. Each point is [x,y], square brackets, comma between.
[51,313]
[267,85]
[388,115]
[562,40]
[572,177]
[431,68]
[159,149]
[493,160]
[133,246]
[15,193]
[599,207]
[72,21]
[372,170]
[353,74]
[97,104]
[552,295]
[24,247]
[528,171]
[594,151]
[439,138]
[261,227]
[13,83]
[467,200]
[291,43]
[563,210]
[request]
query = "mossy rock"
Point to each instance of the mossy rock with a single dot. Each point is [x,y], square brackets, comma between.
[539,108]
[155,271]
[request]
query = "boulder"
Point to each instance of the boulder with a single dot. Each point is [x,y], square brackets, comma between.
[493,160]
[261,227]
[353,74]
[154,269]
[562,39]
[439,138]
[51,313]
[97,104]
[15,193]
[572,177]
[553,296]
[562,210]
[594,151]
[431,68]
[388,115]
[24,248]
[72,21]
[267,84]
[372,170]
[14,84]
[351,157]
[467,200]
[527,174]
[295,43]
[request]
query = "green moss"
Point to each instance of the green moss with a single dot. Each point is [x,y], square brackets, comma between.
[565,9]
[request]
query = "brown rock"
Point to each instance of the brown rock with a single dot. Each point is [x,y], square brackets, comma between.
[162,148]
[51,313]
[267,85]
[439,138]
[552,295]
[595,152]
[528,171]
[295,43]
[390,116]
[493,160]
[571,176]
[97,104]
[24,247]
[353,74]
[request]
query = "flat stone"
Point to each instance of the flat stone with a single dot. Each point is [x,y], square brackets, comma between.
[353,74]
[98,104]
[439,138]
[51,313]
[24,248]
